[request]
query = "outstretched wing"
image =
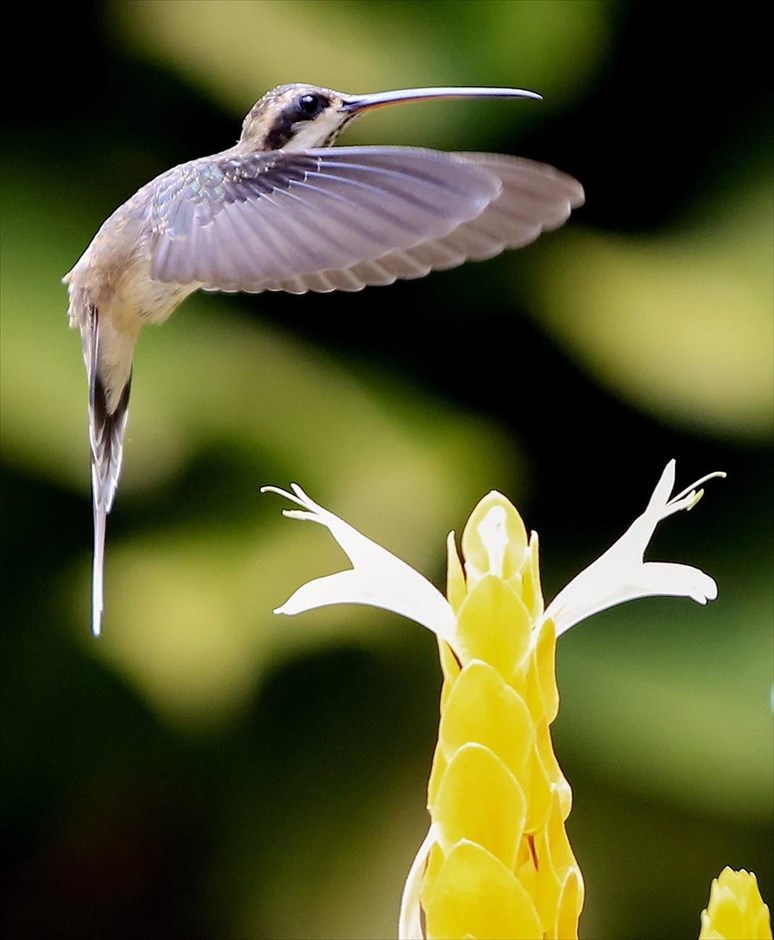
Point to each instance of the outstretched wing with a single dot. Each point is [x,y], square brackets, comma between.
[534,198]
[345,217]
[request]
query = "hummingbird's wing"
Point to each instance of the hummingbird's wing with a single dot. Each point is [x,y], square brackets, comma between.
[345,217]
[236,223]
[534,198]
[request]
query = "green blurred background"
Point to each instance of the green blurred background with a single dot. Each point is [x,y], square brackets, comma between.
[207,769]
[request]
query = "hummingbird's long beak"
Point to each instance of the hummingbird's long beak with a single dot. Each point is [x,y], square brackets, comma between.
[382,99]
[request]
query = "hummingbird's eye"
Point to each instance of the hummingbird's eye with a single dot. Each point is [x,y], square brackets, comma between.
[310,106]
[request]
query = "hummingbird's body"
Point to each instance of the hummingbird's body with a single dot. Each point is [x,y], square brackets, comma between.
[279,211]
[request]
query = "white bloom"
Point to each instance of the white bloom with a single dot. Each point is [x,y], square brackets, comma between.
[621,574]
[410,919]
[379,579]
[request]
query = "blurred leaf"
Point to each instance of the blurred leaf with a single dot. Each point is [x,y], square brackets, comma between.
[678,709]
[680,324]
[244,47]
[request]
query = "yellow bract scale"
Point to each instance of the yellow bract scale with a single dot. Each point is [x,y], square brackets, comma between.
[525,869]
[436,776]
[494,541]
[556,863]
[570,905]
[479,800]
[433,867]
[450,667]
[475,895]
[531,589]
[539,794]
[456,588]
[544,664]
[736,910]
[493,625]
[482,708]
[559,785]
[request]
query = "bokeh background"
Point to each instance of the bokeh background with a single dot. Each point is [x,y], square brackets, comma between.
[208,769]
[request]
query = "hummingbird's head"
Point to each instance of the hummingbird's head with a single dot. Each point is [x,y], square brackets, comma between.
[295,117]
[299,117]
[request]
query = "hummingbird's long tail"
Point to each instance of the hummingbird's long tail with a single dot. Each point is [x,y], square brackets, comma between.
[107,423]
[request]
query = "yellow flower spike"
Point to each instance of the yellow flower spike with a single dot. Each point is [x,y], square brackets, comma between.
[475,895]
[479,800]
[736,910]
[496,861]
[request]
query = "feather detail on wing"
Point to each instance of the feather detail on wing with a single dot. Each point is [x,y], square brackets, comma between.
[240,223]
[342,218]
[534,198]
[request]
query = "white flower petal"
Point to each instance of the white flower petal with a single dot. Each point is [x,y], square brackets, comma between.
[654,579]
[378,578]
[659,578]
[410,922]
[621,575]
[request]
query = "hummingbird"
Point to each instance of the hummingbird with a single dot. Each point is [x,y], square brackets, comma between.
[283,211]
